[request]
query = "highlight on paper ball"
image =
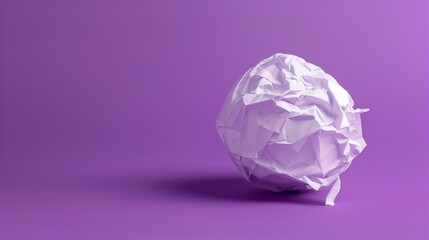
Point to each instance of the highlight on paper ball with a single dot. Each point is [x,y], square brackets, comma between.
[288,125]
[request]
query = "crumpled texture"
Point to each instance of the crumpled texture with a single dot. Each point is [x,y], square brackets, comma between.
[288,125]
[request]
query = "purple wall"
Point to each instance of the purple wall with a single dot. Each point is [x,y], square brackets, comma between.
[108,108]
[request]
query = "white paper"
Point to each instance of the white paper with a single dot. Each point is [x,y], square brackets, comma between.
[288,125]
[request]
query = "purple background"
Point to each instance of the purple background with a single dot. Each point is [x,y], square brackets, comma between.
[108,115]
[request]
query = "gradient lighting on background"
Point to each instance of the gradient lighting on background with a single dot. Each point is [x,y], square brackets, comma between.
[108,108]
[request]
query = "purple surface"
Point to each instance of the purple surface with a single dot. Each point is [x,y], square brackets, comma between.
[108,115]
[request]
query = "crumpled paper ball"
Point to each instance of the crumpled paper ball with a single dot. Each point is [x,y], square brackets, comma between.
[288,125]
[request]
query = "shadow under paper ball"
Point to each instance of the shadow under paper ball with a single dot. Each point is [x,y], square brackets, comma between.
[228,188]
